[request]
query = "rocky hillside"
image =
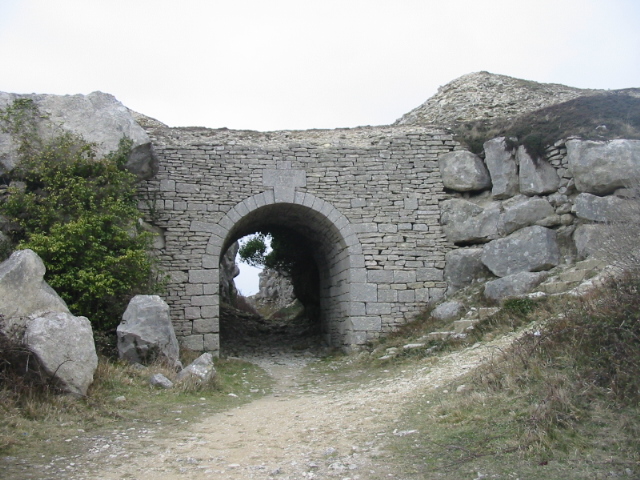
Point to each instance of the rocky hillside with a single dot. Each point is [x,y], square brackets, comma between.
[484,95]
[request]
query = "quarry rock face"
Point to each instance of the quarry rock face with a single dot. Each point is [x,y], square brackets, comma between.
[276,290]
[98,118]
[34,316]
[228,271]
[146,332]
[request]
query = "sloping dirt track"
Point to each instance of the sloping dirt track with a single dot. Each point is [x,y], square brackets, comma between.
[309,427]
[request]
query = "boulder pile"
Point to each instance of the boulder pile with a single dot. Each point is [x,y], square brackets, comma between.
[514,216]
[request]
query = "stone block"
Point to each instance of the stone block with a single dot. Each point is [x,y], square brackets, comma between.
[211,343]
[193,342]
[378,308]
[202,325]
[192,313]
[380,276]
[364,292]
[369,323]
[204,300]
[203,276]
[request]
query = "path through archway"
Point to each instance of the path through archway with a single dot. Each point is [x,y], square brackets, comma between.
[327,235]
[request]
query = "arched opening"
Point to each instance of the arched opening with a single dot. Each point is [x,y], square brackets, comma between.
[318,242]
[286,312]
[335,259]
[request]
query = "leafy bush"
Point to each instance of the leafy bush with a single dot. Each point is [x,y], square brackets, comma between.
[79,215]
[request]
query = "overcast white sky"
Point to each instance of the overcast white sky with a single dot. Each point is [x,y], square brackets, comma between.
[296,64]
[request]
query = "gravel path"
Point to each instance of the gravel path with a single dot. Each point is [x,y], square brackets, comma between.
[309,427]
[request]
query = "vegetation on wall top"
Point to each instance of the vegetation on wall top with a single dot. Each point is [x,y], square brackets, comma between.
[598,117]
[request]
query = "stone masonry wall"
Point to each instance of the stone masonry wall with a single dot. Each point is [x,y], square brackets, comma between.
[368,198]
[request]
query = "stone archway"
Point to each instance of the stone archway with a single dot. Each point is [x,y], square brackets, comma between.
[338,253]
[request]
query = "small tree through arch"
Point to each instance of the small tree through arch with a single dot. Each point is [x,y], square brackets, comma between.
[291,254]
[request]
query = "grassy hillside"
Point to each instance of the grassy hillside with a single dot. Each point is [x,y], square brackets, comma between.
[598,117]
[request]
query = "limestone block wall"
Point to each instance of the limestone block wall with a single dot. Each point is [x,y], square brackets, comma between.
[368,199]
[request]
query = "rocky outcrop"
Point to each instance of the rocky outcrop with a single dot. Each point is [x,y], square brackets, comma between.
[146,332]
[228,271]
[34,316]
[275,291]
[98,118]
[483,95]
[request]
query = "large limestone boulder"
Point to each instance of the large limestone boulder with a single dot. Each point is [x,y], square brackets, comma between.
[530,249]
[448,310]
[464,267]
[201,370]
[34,316]
[465,222]
[602,167]
[502,168]
[98,118]
[463,171]
[523,211]
[589,240]
[146,332]
[602,209]
[537,177]
[23,291]
[63,346]
[513,285]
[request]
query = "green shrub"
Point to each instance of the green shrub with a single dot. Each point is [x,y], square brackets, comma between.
[79,215]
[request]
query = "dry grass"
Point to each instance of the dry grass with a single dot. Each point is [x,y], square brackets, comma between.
[35,421]
[561,402]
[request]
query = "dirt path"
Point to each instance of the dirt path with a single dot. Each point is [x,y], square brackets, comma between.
[308,428]
[312,426]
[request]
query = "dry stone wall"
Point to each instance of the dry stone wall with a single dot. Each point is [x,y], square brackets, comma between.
[368,199]
[536,213]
